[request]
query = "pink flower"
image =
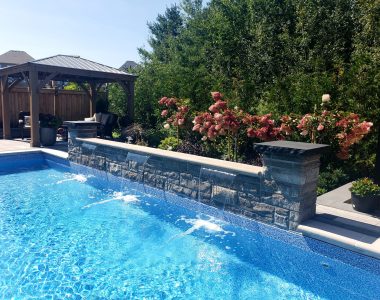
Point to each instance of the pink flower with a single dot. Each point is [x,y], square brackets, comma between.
[196,127]
[221,105]
[218,116]
[216,96]
[198,119]
[164,113]
[250,132]
[304,132]
[208,124]
[320,127]
[213,108]
[163,100]
[181,121]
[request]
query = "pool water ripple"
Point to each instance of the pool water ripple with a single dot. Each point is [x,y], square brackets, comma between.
[63,237]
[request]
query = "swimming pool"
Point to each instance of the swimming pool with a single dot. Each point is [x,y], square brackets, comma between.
[68,231]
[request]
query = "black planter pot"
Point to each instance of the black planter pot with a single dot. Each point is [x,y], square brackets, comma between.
[364,204]
[48,136]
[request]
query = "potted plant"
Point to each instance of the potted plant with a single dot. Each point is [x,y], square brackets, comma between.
[365,195]
[48,129]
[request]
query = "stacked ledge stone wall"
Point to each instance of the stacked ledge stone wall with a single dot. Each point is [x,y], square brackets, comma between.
[282,193]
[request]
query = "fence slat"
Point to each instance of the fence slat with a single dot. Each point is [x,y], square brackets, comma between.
[71,105]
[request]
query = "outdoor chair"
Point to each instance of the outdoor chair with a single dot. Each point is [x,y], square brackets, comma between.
[23,122]
[108,122]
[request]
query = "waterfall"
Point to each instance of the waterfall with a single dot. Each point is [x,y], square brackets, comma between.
[221,184]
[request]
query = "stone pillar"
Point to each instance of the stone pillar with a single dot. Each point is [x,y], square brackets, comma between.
[290,180]
[80,129]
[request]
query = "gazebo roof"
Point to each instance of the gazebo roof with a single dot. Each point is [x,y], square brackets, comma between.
[69,67]
[76,62]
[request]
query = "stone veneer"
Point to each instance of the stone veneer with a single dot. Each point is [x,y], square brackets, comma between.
[282,193]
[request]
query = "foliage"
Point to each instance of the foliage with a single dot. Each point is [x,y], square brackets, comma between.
[117,102]
[133,133]
[72,86]
[153,136]
[272,57]
[170,143]
[365,187]
[49,121]
[192,146]
[331,178]
[116,134]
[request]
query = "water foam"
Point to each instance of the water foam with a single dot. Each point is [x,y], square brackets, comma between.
[209,226]
[75,177]
[117,196]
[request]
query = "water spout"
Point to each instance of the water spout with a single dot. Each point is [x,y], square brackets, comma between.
[138,158]
[220,183]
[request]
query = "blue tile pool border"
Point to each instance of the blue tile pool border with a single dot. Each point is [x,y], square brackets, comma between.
[102,178]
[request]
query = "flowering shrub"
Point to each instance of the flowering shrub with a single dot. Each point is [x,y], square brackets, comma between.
[351,132]
[262,127]
[221,121]
[339,130]
[175,112]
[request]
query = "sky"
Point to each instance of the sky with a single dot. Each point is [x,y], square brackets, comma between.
[105,31]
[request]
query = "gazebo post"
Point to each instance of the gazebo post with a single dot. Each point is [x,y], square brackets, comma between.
[93,99]
[131,102]
[5,107]
[34,108]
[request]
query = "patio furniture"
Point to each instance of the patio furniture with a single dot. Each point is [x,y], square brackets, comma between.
[108,122]
[23,122]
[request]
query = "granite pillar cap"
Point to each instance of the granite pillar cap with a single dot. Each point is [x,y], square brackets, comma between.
[290,148]
[79,124]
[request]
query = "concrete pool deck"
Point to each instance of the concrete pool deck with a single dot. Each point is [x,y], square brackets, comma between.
[335,222]
[12,146]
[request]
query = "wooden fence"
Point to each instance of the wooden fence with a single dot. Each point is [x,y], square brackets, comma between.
[68,105]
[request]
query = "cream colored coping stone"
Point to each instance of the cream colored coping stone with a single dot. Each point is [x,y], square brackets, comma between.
[200,160]
[341,237]
[53,152]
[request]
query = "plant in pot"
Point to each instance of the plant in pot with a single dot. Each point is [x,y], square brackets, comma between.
[365,195]
[48,129]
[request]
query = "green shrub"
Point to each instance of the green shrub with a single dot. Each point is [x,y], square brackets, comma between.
[365,187]
[116,134]
[331,179]
[154,136]
[169,143]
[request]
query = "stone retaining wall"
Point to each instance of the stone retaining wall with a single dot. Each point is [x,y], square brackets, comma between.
[283,193]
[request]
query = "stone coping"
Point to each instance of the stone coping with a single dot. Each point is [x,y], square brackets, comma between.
[53,152]
[289,147]
[75,124]
[204,161]
[342,237]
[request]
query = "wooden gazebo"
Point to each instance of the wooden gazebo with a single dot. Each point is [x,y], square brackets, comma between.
[89,75]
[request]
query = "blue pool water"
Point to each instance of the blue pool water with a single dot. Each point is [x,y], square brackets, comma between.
[65,233]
